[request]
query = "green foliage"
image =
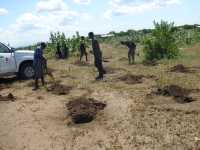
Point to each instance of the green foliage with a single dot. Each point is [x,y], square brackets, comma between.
[162,43]
[68,46]
[184,35]
[58,40]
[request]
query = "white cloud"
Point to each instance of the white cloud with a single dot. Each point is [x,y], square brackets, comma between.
[128,7]
[3,11]
[35,26]
[51,5]
[30,27]
[85,2]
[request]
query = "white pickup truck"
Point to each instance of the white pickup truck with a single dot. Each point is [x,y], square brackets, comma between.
[16,62]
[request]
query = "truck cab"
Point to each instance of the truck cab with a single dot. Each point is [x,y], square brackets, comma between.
[16,62]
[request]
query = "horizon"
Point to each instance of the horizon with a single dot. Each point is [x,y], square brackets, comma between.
[33,20]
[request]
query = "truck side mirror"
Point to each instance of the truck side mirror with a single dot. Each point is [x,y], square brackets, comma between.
[12,50]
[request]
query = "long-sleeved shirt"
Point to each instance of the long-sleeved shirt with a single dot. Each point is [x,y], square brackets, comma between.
[38,57]
[96,49]
[130,45]
[82,48]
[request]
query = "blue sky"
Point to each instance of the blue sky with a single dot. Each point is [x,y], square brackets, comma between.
[23,22]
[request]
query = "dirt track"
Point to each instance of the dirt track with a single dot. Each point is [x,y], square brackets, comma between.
[131,120]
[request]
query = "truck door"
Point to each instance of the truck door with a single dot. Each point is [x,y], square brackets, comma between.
[7,60]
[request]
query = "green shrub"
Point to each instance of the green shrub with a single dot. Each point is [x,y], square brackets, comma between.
[162,43]
[68,46]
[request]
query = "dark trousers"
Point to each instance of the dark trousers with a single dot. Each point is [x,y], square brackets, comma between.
[131,56]
[99,66]
[82,54]
[36,81]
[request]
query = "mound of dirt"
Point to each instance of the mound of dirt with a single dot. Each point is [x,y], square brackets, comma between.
[180,68]
[150,63]
[59,89]
[6,83]
[84,110]
[180,94]
[9,97]
[8,80]
[132,79]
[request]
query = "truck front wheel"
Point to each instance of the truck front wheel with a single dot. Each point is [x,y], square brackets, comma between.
[26,71]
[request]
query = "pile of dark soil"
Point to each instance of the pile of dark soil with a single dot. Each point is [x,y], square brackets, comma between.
[180,94]
[150,63]
[8,80]
[132,79]
[84,110]
[59,89]
[180,68]
[9,97]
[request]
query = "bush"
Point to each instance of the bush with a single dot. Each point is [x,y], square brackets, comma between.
[67,46]
[162,43]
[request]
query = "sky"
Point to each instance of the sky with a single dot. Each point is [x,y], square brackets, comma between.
[24,22]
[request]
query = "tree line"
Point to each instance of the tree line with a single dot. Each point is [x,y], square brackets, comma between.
[161,42]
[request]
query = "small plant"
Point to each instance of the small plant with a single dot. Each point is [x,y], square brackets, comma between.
[162,43]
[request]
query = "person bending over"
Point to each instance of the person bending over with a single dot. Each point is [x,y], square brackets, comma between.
[131,52]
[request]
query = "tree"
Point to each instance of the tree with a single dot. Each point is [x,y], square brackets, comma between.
[162,44]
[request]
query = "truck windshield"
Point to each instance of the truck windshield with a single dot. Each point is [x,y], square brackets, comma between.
[4,48]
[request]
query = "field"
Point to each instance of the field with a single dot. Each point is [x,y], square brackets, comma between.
[136,115]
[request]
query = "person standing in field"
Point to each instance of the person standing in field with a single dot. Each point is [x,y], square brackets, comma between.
[97,56]
[131,52]
[82,49]
[58,51]
[39,63]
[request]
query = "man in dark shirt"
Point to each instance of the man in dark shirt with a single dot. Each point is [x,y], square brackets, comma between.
[97,56]
[83,49]
[131,53]
[38,64]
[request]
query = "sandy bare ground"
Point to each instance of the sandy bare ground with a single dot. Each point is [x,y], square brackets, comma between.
[133,118]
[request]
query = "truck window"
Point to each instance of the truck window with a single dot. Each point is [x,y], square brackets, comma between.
[4,49]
